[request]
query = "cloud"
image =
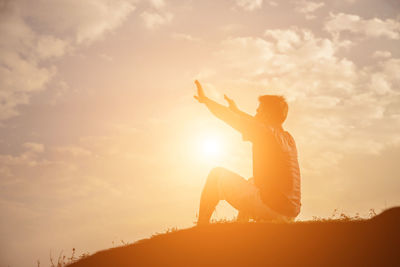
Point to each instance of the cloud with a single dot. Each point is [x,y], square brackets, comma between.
[350,1]
[273,3]
[157,3]
[19,57]
[154,20]
[28,158]
[185,37]
[73,150]
[106,57]
[274,55]
[34,147]
[381,54]
[249,4]
[308,7]
[338,102]
[337,23]
[79,21]
[35,33]
[252,47]
[231,28]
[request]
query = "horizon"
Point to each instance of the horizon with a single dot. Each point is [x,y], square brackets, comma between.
[101,139]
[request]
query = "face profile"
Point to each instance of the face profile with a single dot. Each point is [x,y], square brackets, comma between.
[262,114]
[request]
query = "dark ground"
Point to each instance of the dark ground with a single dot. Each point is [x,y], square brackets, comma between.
[373,242]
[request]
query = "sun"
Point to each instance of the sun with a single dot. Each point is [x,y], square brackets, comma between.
[211,147]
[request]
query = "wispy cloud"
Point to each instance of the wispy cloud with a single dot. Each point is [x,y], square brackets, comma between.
[157,3]
[185,37]
[153,20]
[31,35]
[338,99]
[381,54]
[34,147]
[249,4]
[376,27]
[272,3]
[308,7]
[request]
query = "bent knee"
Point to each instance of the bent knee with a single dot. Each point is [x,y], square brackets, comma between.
[216,172]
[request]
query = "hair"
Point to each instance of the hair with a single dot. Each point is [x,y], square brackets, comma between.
[276,107]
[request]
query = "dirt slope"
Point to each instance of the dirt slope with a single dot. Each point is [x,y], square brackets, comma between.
[374,242]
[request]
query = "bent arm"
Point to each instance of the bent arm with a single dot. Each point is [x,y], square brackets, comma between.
[225,114]
[240,121]
[234,108]
[243,114]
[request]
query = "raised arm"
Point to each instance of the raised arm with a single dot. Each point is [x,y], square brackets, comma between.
[218,110]
[234,108]
[240,121]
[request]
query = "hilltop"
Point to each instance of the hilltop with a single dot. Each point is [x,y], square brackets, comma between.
[374,241]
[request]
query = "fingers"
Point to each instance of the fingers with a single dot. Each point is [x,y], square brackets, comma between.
[227,98]
[198,84]
[200,100]
[200,93]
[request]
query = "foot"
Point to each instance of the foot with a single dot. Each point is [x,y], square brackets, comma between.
[202,222]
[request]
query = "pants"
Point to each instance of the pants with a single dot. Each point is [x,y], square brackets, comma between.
[242,194]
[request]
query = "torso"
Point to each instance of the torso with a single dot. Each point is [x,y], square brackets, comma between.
[276,172]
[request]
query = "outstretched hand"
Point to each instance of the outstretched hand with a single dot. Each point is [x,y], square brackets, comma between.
[201,97]
[231,103]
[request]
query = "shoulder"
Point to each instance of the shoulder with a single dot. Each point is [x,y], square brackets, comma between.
[289,138]
[284,138]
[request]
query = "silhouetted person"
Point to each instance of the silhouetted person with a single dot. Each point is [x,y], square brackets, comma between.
[274,191]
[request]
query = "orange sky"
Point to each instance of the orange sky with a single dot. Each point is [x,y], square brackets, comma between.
[101,139]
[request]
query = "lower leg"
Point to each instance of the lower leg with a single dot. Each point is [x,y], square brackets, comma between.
[243,216]
[209,198]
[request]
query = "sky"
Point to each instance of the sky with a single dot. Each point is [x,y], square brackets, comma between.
[102,141]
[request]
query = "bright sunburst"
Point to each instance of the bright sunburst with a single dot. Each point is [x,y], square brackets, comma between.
[211,147]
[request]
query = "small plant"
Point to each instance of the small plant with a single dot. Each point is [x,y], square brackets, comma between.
[83,255]
[171,229]
[63,260]
[341,216]
[223,220]
[345,217]
[72,258]
[372,213]
[60,261]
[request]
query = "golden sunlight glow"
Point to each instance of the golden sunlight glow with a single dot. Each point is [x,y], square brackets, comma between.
[211,147]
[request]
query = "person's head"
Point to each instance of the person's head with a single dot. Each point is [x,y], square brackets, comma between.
[272,109]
